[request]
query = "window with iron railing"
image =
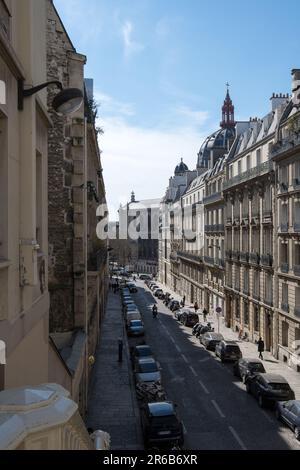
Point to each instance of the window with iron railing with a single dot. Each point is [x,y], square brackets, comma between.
[267,200]
[296,214]
[267,241]
[245,240]
[237,278]
[284,297]
[268,293]
[256,317]
[255,248]
[246,281]
[258,157]
[246,313]
[245,206]
[256,284]
[255,204]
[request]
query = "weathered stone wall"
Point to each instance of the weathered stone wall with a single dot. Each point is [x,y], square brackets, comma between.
[62,169]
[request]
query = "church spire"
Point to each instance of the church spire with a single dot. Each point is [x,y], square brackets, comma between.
[227,112]
[133,197]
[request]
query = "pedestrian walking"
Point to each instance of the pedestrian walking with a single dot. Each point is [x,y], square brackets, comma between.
[154,311]
[196,307]
[205,313]
[260,347]
[120,349]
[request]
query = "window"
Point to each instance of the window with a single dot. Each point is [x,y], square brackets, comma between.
[285,333]
[284,175]
[268,289]
[239,167]
[284,296]
[256,284]
[248,162]
[258,157]
[297,212]
[246,281]
[256,317]
[297,255]
[246,313]
[237,278]
[284,253]
[237,308]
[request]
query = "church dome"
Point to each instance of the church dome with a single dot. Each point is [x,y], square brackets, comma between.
[220,142]
[181,168]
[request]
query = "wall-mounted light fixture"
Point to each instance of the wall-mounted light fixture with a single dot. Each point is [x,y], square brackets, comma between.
[67,101]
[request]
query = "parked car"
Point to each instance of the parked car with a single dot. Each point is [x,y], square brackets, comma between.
[132,287]
[269,388]
[153,287]
[174,305]
[228,351]
[189,318]
[135,328]
[129,306]
[158,292]
[132,315]
[178,314]
[145,277]
[161,295]
[289,413]
[244,367]
[142,350]
[210,340]
[161,425]
[204,328]
[146,370]
[195,327]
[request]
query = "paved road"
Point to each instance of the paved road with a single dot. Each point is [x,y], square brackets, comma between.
[216,411]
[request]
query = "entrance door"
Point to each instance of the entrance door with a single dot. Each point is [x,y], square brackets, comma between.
[268,331]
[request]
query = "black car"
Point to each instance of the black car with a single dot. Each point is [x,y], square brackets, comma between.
[244,367]
[189,318]
[269,388]
[289,413]
[228,351]
[195,328]
[132,287]
[161,425]
[202,329]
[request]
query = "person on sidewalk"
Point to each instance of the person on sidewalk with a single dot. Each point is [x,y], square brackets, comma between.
[205,313]
[260,347]
[196,307]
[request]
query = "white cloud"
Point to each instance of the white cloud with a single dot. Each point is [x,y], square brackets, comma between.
[111,106]
[130,46]
[143,159]
[194,117]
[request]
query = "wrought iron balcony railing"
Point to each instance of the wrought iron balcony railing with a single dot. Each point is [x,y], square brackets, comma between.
[190,256]
[244,256]
[284,267]
[285,307]
[212,198]
[254,258]
[297,270]
[259,170]
[266,260]
[283,227]
[296,226]
[209,260]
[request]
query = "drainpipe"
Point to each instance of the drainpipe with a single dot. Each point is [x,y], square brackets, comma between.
[275,264]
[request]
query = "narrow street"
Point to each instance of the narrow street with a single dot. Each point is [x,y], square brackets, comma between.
[216,411]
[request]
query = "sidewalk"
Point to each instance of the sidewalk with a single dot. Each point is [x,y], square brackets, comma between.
[249,349]
[112,405]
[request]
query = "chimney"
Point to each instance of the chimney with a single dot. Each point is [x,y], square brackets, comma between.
[296,86]
[279,99]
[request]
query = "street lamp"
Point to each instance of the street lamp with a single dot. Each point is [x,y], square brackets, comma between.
[67,101]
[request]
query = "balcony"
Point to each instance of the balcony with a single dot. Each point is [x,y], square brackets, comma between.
[297,270]
[283,227]
[213,198]
[209,260]
[219,262]
[254,258]
[297,227]
[229,221]
[174,258]
[255,219]
[285,307]
[246,290]
[244,256]
[284,267]
[267,216]
[236,255]
[259,170]
[296,183]
[256,296]
[190,256]
[236,219]
[283,188]
[266,260]
[208,228]
[268,302]
[45,417]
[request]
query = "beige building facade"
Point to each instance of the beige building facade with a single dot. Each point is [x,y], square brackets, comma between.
[24,298]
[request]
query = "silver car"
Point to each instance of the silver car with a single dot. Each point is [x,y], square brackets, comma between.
[147,370]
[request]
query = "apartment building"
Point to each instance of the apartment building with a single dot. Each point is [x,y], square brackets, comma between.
[286,159]
[249,193]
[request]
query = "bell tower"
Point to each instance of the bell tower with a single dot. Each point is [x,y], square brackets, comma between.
[227,112]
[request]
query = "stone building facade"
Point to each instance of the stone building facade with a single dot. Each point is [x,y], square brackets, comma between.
[286,159]
[24,298]
[77,259]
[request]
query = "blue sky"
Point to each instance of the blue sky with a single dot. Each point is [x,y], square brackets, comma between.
[160,68]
